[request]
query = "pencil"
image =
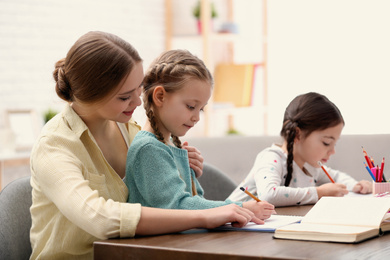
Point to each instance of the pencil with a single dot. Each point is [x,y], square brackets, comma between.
[375,172]
[381,171]
[330,178]
[250,194]
[367,159]
[369,171]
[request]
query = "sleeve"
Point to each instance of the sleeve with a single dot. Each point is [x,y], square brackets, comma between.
[59,175]
[269,180]
[158,181]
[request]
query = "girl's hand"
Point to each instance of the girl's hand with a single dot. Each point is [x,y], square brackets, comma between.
[195,158]
[363,187]
[332,189]
[262,210]
[233,213]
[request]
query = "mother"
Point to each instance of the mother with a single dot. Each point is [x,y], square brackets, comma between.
[78,161]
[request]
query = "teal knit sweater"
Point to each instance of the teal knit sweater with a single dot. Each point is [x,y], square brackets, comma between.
[158,175]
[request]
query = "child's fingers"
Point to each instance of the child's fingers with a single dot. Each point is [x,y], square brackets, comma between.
[195,159]
[198,171]
[257,220]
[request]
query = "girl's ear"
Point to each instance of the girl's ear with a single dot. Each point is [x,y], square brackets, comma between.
[159,94]
[298,135]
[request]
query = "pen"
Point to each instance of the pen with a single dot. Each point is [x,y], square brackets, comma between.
[369,171]
[382,194]
[250,194]
[330,178]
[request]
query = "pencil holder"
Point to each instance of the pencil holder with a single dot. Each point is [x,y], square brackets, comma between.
[380,187]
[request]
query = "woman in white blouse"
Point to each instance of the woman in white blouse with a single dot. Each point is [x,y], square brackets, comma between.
[78,161]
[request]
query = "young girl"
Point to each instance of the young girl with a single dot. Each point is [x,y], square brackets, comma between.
[79,160]
[177,87]
[289,174]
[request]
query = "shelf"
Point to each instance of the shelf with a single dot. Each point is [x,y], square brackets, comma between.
[215,48]
[213,36]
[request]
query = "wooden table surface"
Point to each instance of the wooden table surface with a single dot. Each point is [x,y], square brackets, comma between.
[202,244]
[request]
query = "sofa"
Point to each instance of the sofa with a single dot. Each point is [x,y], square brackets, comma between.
[234,155]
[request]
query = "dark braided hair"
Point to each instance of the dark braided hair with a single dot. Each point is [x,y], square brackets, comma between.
[171,70]
[309,112]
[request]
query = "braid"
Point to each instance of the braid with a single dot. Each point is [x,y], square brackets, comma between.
[307,112]
[176,141]
[291,133]
[172,70]
[153,123]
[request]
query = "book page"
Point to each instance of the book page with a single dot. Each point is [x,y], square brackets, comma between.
[353,194]
[352,211]
[325,229]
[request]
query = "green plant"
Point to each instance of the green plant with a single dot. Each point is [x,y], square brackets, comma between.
[49,114]
[197,8]
[233,131]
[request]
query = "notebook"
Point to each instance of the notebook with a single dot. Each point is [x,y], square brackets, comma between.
[341,219]
[270,225]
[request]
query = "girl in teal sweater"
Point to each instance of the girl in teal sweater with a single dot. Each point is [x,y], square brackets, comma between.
[177,87]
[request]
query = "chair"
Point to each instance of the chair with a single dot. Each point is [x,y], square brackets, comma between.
[216,184]
[15,219]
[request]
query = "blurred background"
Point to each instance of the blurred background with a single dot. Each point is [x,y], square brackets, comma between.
[262,54]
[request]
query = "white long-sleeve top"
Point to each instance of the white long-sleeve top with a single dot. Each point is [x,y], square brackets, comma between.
[267,177]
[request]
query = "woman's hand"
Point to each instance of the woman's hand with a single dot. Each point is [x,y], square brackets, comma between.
[262,210]
[233,213]
[332,189]
[195,158]
[155,221]
[363,187]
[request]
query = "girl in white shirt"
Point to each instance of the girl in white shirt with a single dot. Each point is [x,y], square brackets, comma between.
[289,174]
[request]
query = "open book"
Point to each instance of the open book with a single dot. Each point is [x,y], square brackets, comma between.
[341,219]
[270,225]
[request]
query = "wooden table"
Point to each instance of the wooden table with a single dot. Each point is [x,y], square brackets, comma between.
[205,245]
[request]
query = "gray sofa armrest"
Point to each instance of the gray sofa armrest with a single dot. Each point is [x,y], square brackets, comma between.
[216,184]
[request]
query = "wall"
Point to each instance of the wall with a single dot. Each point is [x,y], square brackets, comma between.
[338,48]
[35,34]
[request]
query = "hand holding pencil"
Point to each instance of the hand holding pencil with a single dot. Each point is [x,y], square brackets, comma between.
[330,189]
[262,209]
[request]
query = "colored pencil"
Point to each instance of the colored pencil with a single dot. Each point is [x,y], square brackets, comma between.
[330,178]
[381,171]
[367,159]
[369,171]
